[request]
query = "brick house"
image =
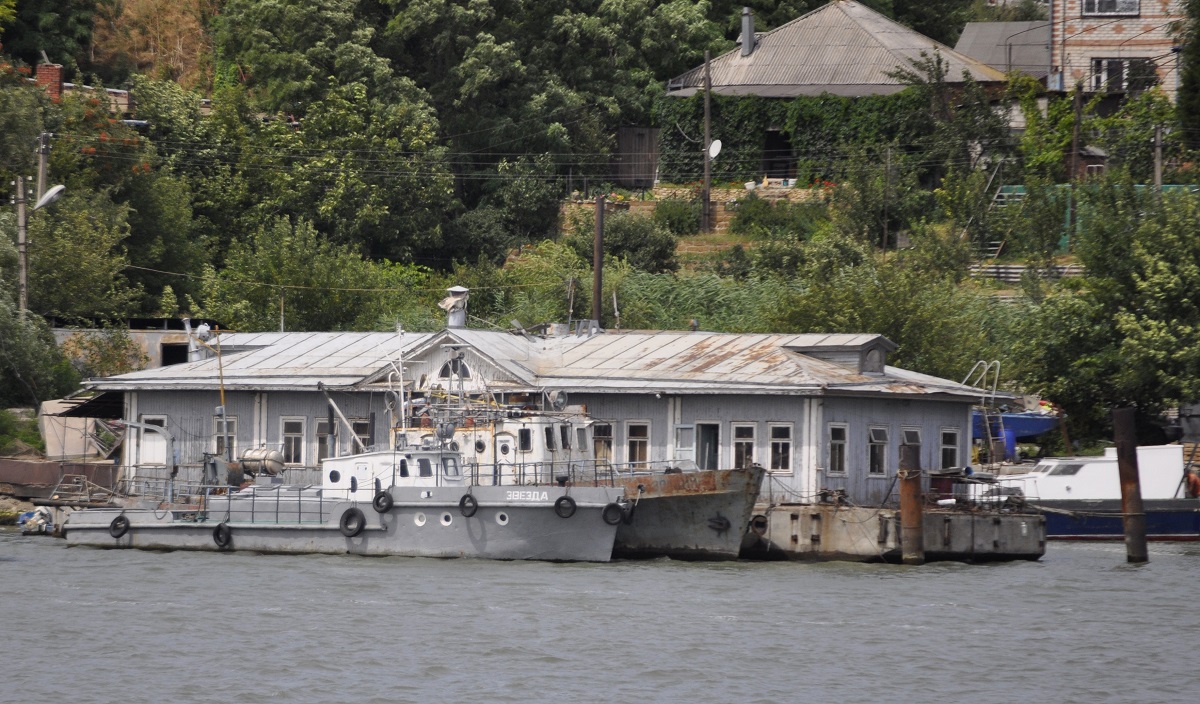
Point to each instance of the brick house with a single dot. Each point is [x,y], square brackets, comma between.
[1114,46]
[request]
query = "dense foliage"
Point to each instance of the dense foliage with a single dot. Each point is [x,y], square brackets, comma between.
[358,156]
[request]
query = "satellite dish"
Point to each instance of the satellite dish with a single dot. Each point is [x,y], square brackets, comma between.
[714,149]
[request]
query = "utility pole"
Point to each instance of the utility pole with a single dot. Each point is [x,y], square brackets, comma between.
[887,193]
[705,215]
[22,247]
[43,162]
[1158,166]
[598,260]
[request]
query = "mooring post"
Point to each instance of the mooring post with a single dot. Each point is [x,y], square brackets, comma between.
[1133,513]
[912,530]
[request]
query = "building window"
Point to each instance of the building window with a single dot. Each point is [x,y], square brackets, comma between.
[226,439]
[362,430]
[743,446]
[638,435]
[455,368]
[949,449]
[1123,75]
[912,436]
[1112,7]
[291,432]
[781,448]
[324,440]
[837,449]
[602,442]
[877,455]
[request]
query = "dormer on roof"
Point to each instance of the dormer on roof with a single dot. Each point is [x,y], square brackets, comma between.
[865,354]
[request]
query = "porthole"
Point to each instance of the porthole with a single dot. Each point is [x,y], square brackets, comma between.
[353,484]
[502,518]
[454,446]
[334,476]
[447,519]
[480,446]
[419,519]
[504,449]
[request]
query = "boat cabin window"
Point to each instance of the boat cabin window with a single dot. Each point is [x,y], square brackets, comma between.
[1066,470]
[353,484]
[564,431]
[424,467]
[550,437]
[525,438]
[403,468]
[450,467]
[581,438]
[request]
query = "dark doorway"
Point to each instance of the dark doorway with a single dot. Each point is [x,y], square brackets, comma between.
[174,353]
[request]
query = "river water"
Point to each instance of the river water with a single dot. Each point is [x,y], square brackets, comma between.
[1081,625]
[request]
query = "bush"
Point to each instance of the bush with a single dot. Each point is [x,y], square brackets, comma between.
[763,219]
[678,216]
[642,243]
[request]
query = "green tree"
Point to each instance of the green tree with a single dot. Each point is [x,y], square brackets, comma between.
[291,271]
[631,237]
[32,368]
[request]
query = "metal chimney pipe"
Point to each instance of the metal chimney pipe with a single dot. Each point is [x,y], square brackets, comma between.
[747,31]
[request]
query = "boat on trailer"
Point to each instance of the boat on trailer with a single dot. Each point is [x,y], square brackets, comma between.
[407,501]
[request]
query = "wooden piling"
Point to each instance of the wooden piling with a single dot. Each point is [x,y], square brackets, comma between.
[912,529]
[1133,513]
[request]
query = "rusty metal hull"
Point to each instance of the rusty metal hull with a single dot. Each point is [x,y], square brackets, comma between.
[699,515]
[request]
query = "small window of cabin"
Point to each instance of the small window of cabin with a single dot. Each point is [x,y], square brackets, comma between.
[564,432]
[525,439]
[404,468]
[425,467]
[450,467]
[549,437]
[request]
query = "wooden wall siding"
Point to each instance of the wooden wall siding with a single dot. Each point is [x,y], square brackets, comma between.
[861,414]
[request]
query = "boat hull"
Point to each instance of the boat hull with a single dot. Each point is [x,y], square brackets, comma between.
[699,515]
[1166,519]
[509,523]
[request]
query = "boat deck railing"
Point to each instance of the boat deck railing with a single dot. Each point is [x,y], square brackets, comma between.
[569,472]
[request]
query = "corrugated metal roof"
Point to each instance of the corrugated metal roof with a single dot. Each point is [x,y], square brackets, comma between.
[620,362]
[991,43]
[844,48]
[276,361]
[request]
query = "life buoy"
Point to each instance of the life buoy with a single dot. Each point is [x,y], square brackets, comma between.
[222,535]
[382,502]
[119,526]
[468,505]
[612,514]
[564,506]
[352,523]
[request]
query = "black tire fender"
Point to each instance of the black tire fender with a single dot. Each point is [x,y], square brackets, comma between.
[119,526]
[352,522]
[468,505]
[613,514]
[564,506]
[382,502]
[223,536]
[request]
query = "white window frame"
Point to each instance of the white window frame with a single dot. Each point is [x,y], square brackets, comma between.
[301,445]
[602,445]
[231,431]
[904,435]
[772,441]
[943,447]
[743,446]
[874,433]
[1110,8]
[844,443]
[644,442]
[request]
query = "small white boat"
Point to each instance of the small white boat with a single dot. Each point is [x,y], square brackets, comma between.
[409,502]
